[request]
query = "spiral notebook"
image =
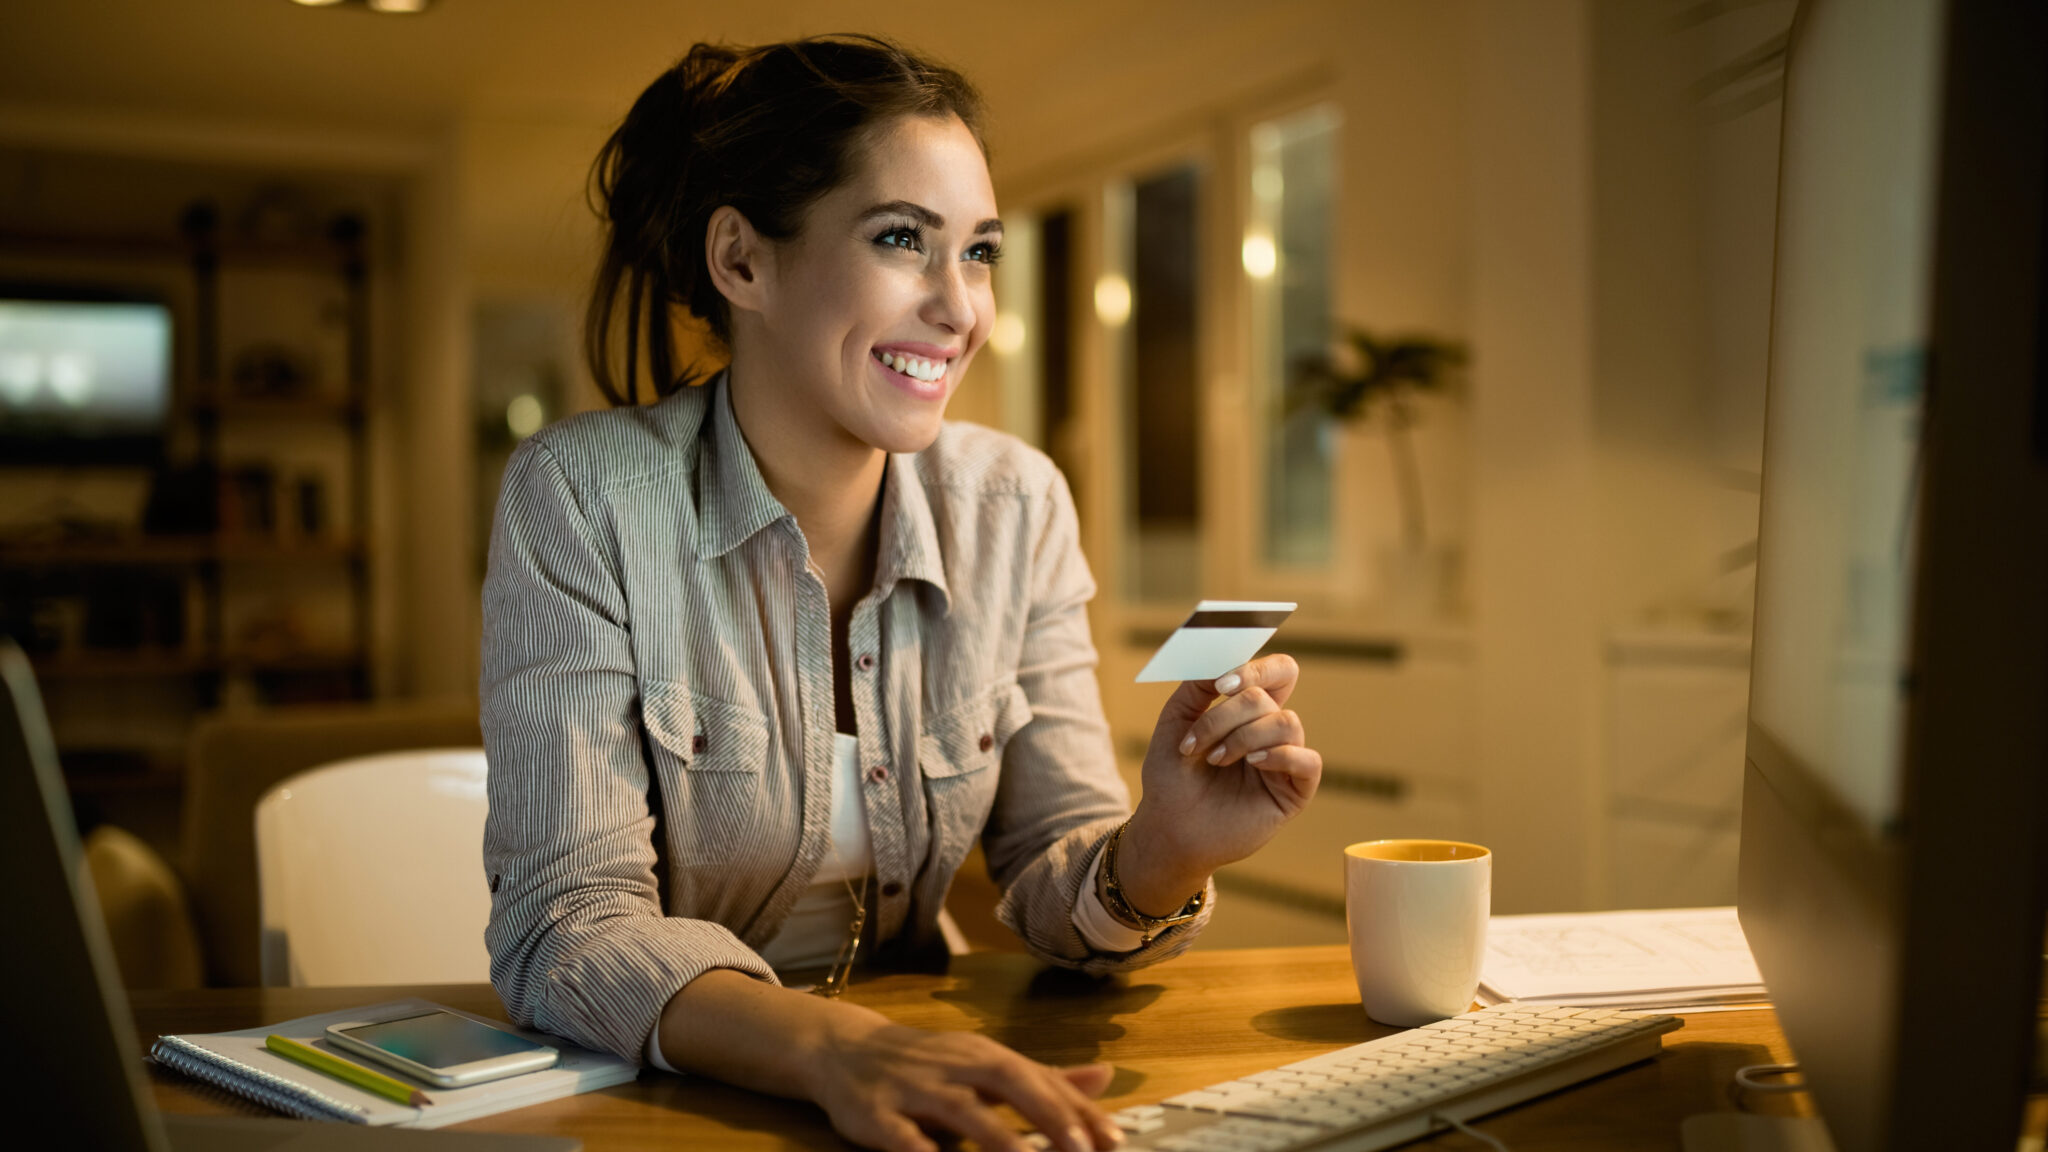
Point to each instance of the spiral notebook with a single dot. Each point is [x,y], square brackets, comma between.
[239,1063]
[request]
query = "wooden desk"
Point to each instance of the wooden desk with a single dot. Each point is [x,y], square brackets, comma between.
[1205,1017]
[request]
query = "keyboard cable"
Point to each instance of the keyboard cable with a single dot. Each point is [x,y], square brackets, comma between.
[1492,1142]
[1746,1081]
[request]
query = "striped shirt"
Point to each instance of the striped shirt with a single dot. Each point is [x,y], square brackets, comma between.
[658,710]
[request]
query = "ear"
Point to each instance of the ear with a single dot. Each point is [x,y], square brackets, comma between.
[736,256]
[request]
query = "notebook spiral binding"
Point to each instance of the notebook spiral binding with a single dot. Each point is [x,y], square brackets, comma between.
[252,1083]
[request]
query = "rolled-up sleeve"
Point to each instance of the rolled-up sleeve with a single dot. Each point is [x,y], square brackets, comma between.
[1060,795]
[579,943]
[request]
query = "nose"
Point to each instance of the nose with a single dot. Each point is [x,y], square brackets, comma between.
[949,302]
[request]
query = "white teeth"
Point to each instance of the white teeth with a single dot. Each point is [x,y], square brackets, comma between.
[926,370]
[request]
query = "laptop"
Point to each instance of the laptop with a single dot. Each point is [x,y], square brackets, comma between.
[71,1062]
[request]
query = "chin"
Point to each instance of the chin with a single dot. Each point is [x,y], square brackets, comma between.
[909,435]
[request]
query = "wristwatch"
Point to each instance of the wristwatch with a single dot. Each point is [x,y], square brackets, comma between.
[1111,893]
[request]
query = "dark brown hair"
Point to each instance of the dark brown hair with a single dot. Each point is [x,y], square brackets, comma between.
[767,130]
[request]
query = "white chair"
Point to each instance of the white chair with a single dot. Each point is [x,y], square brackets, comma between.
[370,871]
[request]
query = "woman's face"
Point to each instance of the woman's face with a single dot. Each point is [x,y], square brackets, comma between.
[882,299]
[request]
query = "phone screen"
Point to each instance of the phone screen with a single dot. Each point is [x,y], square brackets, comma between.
[441,1039]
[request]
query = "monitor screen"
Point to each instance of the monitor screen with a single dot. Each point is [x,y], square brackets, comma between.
[82,379]
[1848,364]
[1894,876]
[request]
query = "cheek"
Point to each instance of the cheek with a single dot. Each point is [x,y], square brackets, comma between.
[984,314]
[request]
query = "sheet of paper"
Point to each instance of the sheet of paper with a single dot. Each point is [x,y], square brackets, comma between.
[1669,953]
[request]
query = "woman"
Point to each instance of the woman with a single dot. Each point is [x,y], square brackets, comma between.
[764,659]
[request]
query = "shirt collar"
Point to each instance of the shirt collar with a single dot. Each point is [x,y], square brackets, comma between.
[909,536]
[733,503]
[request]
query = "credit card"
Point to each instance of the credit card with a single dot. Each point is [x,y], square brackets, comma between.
[1221,635]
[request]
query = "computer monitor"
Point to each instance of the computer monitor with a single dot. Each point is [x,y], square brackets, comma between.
[1895,799]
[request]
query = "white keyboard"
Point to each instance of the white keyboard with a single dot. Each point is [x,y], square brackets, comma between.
[1384,1092]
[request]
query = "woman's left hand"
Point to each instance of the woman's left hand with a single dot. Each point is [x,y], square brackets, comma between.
[1227,767]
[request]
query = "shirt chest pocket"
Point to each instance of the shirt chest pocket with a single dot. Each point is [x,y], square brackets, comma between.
[708,758]
[958,754]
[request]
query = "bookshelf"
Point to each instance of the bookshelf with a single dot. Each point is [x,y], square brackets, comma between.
[244,577]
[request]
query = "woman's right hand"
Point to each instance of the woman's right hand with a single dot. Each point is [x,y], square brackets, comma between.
[886,1086]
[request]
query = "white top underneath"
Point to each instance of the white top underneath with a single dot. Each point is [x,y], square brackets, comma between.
[818,923]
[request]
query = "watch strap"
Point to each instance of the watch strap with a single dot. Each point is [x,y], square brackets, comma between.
[1109,889]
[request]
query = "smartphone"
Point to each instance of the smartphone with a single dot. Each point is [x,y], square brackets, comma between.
[442,1049]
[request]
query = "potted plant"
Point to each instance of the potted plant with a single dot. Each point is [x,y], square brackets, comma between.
[1379,380]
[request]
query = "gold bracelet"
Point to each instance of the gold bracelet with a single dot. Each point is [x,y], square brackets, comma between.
[1109,889]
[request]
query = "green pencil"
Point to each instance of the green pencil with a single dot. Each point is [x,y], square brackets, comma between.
[348,1070]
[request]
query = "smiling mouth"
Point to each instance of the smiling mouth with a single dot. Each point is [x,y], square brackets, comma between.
[929,371]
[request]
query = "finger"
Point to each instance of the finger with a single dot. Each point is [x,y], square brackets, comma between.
[1083,1083]
[1089,1079]
[1271,730]
[1207,734]
[957,1109]
[1041,1097]
[1291,766]
[1275,673]
[890,1131]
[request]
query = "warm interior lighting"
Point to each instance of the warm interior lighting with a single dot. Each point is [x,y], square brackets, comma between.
[1007,338]
[1267,183]
[524,416]
[1113,300]
[1261,258]
[393,6]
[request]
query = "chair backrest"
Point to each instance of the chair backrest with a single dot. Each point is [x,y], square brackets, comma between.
[370,871]
[236,757]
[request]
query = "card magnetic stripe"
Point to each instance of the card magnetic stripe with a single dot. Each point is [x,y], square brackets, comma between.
[1236,620]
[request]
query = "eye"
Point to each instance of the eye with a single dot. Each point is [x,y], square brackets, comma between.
[987,252]
[909,237]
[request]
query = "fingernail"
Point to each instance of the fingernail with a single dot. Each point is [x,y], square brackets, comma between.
[1258,757]
[1077,1139]
[1216,754]
[1187,745]
[1229,682]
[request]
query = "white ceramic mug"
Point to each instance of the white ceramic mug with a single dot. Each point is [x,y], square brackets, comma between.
[1416,911]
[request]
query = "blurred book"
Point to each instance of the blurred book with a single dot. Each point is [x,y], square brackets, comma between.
[1670,958]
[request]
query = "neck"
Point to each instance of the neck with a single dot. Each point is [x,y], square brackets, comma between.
[831,483]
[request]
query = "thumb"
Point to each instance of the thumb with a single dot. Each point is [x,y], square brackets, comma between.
[1185,706]
[1089,1078]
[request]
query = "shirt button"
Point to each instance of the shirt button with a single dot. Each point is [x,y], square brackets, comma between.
[987,741]
[697,743]
[892,888]
[866,661]
[877,774]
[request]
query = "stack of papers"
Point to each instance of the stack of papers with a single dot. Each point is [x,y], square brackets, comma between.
[1676,958]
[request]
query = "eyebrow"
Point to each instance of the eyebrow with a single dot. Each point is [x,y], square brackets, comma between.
[926,216]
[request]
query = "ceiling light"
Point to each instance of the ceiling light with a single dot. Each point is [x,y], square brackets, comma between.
[316,3]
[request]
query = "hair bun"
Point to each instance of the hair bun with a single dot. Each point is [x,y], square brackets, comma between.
[767,130]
